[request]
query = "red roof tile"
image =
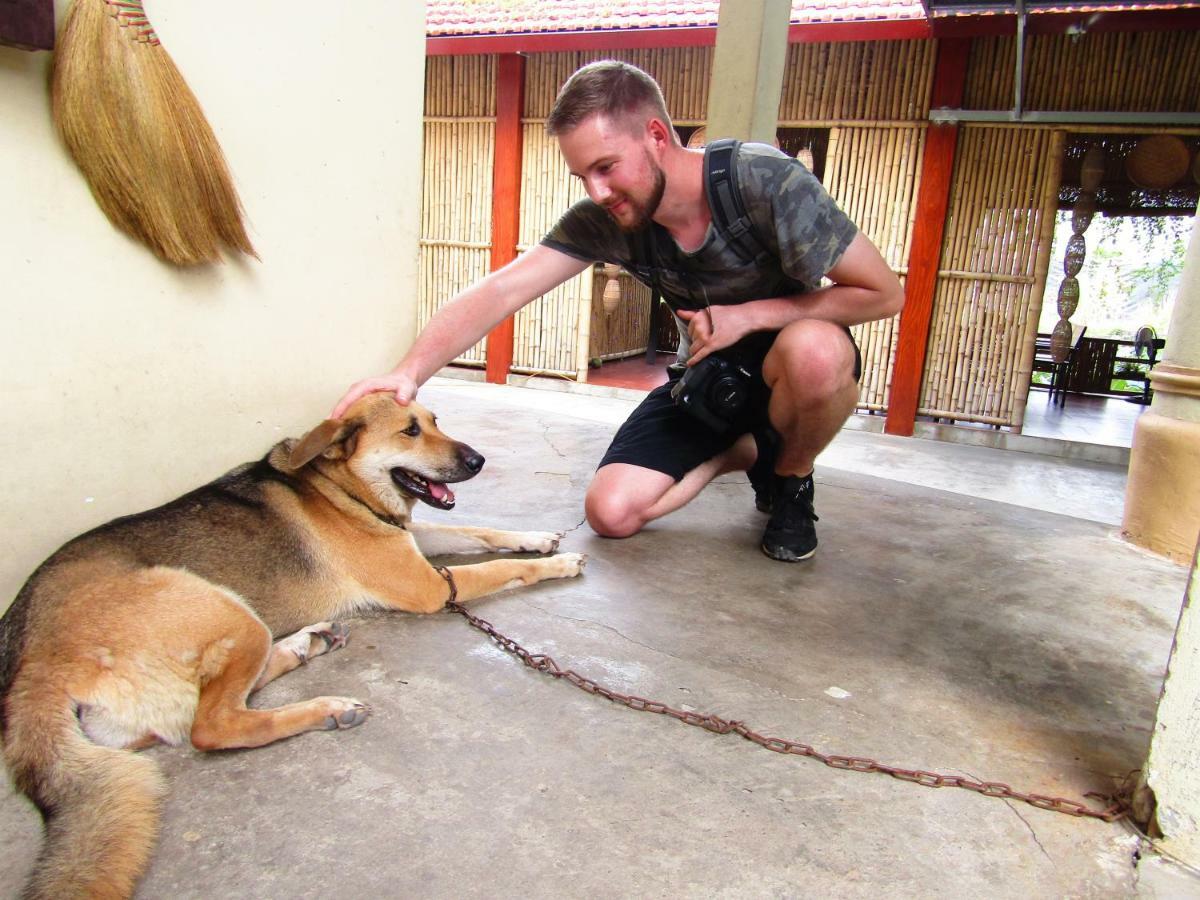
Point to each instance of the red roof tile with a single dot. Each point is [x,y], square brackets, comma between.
[487,17]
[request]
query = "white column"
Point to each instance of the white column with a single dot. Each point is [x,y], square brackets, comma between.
[1162,499]
[747,73]
[1162,513]
[1171,771]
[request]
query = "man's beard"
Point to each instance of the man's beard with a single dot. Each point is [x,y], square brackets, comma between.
[643,211]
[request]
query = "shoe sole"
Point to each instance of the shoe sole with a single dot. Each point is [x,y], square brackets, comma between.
[790,557]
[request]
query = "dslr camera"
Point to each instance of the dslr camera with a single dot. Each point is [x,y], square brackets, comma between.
[713,391]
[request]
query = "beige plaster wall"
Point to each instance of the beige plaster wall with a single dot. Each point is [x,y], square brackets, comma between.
[126,382]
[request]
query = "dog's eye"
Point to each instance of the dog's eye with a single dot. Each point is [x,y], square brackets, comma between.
[412,430]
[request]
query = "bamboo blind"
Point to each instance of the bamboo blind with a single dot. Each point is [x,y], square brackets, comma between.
[551,334]
[681,72]
[873,173]
[994,261]
[875,80]
[622,332]
[1149,71]
[456,180]
[460,86]
[865,80]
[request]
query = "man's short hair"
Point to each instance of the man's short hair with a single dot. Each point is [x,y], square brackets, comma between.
[611,88]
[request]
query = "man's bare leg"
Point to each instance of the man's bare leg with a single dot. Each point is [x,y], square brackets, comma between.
[622,498]
[810,371]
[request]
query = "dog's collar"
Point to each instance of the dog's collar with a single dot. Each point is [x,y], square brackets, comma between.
[385,519]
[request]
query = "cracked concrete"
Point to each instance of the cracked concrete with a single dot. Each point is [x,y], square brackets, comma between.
[969,611]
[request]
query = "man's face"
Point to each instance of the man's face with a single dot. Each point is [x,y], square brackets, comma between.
[618,169]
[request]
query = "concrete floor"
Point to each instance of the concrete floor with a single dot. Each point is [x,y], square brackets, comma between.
[970,611]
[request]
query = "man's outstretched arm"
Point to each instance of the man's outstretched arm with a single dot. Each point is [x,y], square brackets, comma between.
[468,317]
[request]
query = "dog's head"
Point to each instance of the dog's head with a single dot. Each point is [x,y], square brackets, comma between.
[396,454]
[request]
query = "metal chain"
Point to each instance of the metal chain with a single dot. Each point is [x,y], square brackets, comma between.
[1117,807]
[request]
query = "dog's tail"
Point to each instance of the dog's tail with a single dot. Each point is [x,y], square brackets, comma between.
[100,805]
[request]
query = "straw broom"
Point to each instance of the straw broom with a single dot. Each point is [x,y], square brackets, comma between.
[140,138]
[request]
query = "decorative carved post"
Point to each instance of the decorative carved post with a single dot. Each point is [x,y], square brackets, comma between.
[1090,175]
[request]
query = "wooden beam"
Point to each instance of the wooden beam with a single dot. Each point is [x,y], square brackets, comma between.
[658,38]
[982,25]
[1068,22]
[933,200]
[506,197]
[27,24]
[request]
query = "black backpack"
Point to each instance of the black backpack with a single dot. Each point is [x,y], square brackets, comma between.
[725,201]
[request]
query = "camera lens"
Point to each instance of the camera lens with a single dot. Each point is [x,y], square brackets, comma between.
[728,394]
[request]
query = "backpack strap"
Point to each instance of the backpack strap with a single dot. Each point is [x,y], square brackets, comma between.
[725,200]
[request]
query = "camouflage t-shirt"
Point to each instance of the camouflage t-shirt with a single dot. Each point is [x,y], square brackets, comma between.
[802,229]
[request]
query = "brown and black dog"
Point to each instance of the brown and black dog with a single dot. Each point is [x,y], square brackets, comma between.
[157,626]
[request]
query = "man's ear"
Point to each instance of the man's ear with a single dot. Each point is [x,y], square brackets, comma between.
[332,439]
[659,131]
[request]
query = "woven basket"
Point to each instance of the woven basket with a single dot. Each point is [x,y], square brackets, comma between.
[1091,169]
[1157,162]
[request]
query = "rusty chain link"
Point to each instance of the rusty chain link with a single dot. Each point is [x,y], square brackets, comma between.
[1115,810]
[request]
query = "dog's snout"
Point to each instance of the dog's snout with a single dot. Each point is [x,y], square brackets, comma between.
[472,460]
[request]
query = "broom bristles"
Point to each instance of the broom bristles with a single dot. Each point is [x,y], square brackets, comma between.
[140,138]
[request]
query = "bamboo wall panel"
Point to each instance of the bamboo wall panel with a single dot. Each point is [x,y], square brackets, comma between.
[873,173]
[865,80]
[991,276]
[875,80]
[456,215]
[446,270]
[550,334]
[1148,71]
[622,332]
[460,86]
[681,72]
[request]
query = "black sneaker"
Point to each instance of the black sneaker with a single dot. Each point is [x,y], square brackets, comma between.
[791,535]
[762,473]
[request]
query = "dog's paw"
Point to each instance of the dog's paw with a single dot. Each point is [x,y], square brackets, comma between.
[568,565]
[344,712]
[315,640]
[334,634]
[539,541]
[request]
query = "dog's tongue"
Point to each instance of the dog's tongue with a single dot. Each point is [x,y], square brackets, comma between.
[440,492]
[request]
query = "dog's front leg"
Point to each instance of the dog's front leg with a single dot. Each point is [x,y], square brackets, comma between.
[428,592]
[447,540]
[481,579]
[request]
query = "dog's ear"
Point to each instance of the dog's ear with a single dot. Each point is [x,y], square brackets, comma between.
[332,439]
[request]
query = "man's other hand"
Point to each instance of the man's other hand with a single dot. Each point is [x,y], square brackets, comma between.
[713,329]
[404,388]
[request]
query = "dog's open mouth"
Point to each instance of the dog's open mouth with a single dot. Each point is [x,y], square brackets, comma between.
[435,493]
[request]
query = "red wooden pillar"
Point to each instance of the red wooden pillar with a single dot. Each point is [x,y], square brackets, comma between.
[506,197]
[933,200]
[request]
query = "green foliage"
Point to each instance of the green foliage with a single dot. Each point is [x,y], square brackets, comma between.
[1130,274]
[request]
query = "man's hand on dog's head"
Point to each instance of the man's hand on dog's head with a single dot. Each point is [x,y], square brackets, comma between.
[402,386]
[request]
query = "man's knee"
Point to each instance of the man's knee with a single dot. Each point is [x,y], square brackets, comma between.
[610,515]
[810,356]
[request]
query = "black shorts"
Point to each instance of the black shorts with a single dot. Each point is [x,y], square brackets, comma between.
[659,435]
